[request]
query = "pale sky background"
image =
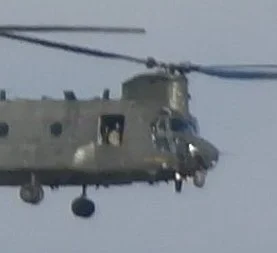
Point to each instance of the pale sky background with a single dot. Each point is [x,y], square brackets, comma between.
[236,212]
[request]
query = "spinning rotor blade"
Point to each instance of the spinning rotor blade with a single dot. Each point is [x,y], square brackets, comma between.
[64,28]
[70,48]
[239,71]
[223,71]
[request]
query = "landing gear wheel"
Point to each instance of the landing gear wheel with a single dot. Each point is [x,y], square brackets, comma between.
[31,194]
[83,207]
[199,178]
[178,185]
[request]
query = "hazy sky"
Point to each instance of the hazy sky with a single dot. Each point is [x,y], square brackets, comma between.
[236,212]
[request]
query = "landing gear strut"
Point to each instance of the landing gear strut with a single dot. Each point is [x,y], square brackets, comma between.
[178,182]
[82,206]
[32,193]
[199,179]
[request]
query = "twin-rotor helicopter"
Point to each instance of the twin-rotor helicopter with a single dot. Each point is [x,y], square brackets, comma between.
[149,135]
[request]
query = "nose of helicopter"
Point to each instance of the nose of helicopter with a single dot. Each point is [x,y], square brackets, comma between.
[214,157]
[212,154]
[208,151]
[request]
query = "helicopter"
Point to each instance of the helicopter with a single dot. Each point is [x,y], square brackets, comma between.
[148,135]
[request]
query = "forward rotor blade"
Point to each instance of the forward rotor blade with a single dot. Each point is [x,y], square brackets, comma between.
[238,71]
[72,48]
[76,28]
[223,71]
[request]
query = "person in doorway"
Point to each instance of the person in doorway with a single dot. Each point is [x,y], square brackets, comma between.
[114,136]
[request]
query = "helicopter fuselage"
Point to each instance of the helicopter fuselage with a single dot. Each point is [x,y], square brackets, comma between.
[64,142]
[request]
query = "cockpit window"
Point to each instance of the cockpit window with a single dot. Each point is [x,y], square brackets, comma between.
[178,125]
[193,127]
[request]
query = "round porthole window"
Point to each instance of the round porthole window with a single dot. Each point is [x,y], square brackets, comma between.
[56,129]
[4,129]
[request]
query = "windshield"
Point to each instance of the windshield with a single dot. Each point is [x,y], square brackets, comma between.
[180,125]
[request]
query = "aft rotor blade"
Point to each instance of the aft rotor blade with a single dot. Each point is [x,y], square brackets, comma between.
[238,71]
[76,28]
[72,48]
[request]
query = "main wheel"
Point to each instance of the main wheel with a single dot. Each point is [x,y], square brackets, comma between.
[31,194]
[199,178]
[83,207]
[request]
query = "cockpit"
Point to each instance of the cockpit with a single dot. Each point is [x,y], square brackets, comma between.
[166,128]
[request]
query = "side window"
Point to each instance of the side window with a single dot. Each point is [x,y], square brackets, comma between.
[56,129]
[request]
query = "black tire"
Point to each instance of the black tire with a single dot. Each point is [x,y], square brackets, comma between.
[83,207]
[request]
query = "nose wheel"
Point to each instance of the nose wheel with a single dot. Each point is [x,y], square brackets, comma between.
[199,178]
[82,206]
